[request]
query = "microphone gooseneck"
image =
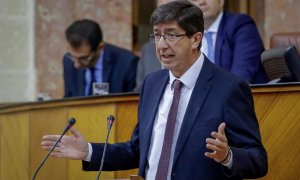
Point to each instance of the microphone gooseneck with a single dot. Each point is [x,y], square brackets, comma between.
[110,121]
[71,122]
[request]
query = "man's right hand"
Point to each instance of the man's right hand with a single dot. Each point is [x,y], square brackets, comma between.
[70,147]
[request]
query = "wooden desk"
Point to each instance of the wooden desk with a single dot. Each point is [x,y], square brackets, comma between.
[23,125]
[278,111]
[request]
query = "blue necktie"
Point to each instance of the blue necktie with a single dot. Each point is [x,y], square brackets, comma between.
[210,47]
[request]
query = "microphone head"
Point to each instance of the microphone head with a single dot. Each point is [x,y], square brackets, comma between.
[110,120]
[71,122]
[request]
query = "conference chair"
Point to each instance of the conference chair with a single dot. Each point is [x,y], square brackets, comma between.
[284,39]
[282,64]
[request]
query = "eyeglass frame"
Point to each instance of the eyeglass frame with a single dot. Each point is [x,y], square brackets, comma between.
[87,58]
[170,37]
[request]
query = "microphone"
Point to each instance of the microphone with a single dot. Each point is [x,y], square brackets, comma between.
[110,121]
[71,122]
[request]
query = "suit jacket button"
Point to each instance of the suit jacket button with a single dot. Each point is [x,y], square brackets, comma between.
[173,173]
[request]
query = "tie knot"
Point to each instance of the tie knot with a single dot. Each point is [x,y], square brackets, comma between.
[208,35]
[177,84]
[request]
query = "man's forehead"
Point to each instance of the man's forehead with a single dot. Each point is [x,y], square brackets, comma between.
[166,26]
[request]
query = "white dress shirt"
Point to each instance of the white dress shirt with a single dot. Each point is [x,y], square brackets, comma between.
[189,80]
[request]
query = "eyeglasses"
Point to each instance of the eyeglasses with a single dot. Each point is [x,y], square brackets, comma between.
[87,58]
[170,37]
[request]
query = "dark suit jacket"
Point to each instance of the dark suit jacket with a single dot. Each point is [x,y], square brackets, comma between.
[218,96]
[119,70]
[239,46]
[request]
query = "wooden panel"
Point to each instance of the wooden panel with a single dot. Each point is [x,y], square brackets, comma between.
[127,119]
[279,118]
[92,122]
[42,122]
[14,146]
[277,108]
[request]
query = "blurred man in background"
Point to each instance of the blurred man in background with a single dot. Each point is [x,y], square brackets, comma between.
[232,41]
[91,60]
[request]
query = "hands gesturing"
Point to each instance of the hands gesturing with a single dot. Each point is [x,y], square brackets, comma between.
[71,146]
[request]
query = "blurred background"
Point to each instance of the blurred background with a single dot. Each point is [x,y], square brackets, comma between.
[32,40]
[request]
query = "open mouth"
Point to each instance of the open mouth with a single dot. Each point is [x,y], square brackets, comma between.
[167,56]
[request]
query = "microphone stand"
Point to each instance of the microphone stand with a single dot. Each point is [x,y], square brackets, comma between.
[110,121]
[71,122]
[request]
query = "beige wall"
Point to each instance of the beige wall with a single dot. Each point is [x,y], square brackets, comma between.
[17,72]
[281,16]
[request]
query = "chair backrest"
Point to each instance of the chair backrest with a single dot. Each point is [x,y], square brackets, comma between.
[284,39]
[282,63]
[274,63]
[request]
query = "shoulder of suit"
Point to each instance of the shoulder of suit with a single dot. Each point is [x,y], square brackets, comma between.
[235,18]
[157,75]
[115,49]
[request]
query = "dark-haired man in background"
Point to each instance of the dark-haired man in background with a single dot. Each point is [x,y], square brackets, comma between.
[91,60]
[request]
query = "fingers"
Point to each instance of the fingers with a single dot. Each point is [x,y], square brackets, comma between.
[221,128]
[76,133]
[50,137]
[217,144]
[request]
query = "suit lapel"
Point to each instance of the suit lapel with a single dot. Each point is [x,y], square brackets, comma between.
[107,63]
[197,99]
[220,40]
[153,100]
[154,94]
[80,76]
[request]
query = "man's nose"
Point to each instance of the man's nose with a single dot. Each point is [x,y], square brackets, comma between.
[161,43]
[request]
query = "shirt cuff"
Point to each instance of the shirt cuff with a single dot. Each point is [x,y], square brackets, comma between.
[229,163]
[89,156]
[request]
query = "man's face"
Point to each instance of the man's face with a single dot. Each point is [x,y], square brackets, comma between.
[82,56]
[210,8]
[179,53]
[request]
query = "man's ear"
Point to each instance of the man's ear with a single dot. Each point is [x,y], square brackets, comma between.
[101,45]
[197,39]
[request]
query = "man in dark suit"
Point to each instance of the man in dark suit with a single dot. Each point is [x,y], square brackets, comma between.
[91,60]
[234,42]
[195,120]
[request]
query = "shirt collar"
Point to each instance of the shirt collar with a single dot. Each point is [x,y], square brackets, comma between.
[189,78]
[100,60]
[215,25]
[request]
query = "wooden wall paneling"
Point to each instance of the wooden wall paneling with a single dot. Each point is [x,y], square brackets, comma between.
[42,122]
[278,112]
[127,119]
[14,146]
[277,108]
[92,123]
